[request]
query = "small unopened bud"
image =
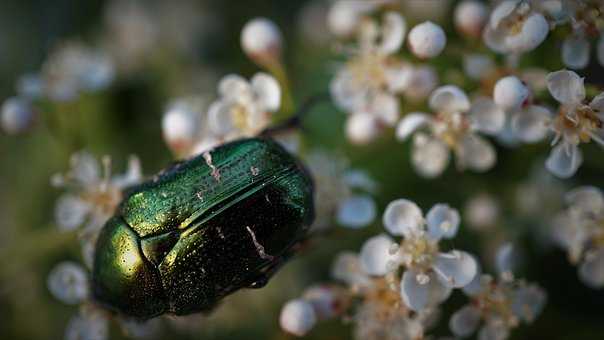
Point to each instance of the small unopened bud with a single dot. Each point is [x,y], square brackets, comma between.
[17,115]
[362,128]
[297,317]
[510,93]
[427,40]
[179,127]
[470,17]
[261,40]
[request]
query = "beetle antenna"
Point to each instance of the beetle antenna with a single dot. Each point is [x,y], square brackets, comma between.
[296,120]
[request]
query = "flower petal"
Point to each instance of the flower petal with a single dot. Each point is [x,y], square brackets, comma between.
[534,31]
[362,128]
[476,153]
[267,91]
[531,125]
[443,221]
[375,255]
[219,118]
[465,321]
[566,86]
[575,52]
[402,217]
[297,317]
[70,212]
[410,123]
[418,296]
[487,116]
[347,268]
[564,160]
[598,103]
[449,99]
[393,32]
[429,156]
[455,269]
[357,211]
[591,270]
[233,86]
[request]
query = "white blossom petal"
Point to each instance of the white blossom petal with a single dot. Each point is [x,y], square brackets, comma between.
[219,118]
[566,87]
[591,271]
[442,221]
[528,302]
[465,321]
[268,92]
[501,12]
[357,211]
[70,212]
[347,268]
[564,160]
[385,107]
[429,156]
[506,259]
[233,86]
[394,30]
[375,255]
[402,217]
[362,128]
[411,123]
[598,103]
[398,77]
[534,31]
[476,153]
[455,269]
[449,99]
[531,125]
[487,116]
[418,296]
[575,52]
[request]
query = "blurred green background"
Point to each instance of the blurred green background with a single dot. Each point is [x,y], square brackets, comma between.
[125,119]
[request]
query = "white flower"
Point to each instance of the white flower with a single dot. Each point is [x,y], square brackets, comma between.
[576,122]
[261,40]
[578,229]
[68,282]
[244,108]
[454,128]
[470,17]
[429,274]
[575,51]
[510,93]
[297,317]
[427,40]
[366,85]
[342,193]
[17,115]
[498,306]
[92,195]
[73,68]
[514,27]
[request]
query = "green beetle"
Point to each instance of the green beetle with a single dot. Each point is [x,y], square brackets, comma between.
[202,229]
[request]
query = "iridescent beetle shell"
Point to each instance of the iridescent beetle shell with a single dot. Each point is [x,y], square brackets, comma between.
[202,229]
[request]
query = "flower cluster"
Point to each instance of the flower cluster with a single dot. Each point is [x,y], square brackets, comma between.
[580,231]
[382,302]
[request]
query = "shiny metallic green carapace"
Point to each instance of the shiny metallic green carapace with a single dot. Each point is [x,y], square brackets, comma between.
[202,229]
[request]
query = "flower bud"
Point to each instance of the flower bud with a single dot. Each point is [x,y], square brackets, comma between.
[261,40]
[510,93]
[362,128]
[179,127]
[470,17]
[297,317]
[427,40]
[17,115]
